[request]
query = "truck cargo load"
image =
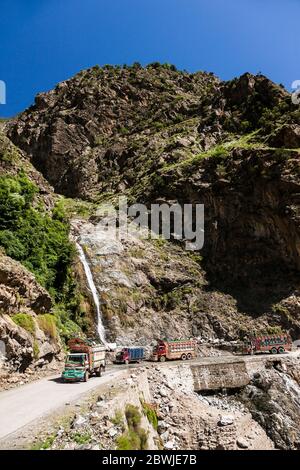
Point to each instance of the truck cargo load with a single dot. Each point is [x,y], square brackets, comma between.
[85,358]
[184,349]
[274,344]
[132,354]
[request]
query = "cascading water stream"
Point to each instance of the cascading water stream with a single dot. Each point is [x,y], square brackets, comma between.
[90,280]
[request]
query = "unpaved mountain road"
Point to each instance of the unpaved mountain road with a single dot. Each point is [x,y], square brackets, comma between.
[20,406]
[23,405]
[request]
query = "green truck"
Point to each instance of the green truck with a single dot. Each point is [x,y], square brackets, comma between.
[86,358]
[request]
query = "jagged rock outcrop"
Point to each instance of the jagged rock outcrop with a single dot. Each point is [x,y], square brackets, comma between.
[20,293]
[273,398]
[20,290]
[105,129]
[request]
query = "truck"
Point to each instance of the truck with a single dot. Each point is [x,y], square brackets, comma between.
[184,349]
[274,344]
[132,354]
[85,358]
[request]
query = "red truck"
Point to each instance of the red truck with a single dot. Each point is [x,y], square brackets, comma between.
[184,349]
[274,344]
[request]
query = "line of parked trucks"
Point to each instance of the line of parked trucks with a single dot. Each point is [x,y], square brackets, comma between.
[86,358]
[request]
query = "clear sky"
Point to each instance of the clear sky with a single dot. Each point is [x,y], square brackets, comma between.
[45,41]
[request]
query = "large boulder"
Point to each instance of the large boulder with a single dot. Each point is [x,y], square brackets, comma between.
[19,289]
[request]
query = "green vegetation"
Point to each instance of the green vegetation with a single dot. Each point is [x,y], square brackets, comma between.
[150,412]
[83,438]
[36,349]
[47,323]
[40,241]
[135,438]
[44,445]
[68,322]
[219,152]
[25,321]
[118,419]
[30,235]
[273,330]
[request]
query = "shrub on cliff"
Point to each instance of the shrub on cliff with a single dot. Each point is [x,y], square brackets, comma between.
[47,323]
[30,235]
[25,321]
[135,438]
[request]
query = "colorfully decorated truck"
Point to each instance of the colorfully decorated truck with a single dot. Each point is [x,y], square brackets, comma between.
[274,344]
[184,349]
[85,358]
[132,354]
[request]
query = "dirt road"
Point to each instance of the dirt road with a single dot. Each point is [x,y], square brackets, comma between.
[22,405]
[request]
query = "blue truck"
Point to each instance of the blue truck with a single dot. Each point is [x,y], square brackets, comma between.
[127,355]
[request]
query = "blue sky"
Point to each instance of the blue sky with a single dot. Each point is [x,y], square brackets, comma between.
[45,41]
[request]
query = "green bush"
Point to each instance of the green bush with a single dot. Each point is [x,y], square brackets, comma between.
[133,416]
[47,323]
[128,441]
[151,414]
[135,438]
[118,419]
[44,445]
[25,321]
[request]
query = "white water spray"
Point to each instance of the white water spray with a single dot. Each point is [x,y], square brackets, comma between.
[90,280]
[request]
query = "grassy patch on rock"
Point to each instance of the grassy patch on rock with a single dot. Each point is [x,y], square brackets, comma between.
[25,321]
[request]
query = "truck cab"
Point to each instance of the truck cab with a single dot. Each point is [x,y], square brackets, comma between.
[77,359]
[85,359]
[76,366]
[159,352]
[132,354]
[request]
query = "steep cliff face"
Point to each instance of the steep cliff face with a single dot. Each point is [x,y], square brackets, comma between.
[159,135]
[34,260]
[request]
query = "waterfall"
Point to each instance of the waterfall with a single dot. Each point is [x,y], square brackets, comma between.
[90,280]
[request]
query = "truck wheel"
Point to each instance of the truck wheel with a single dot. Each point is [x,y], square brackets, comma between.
[99,372]
[273,351]
[162,358]
[86,377]
[189,356]
[280,350]
[183,357]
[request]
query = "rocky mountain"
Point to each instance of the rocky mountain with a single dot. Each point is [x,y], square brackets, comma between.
[155,135]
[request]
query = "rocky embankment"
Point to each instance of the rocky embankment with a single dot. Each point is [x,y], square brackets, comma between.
[169,413]
[25,331]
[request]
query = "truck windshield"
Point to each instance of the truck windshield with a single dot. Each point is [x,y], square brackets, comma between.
[76,359]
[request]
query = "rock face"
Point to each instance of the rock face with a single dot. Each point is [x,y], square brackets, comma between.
[105,129]
[151,289]
[21,293]
[159,135]
[273,398]
[252,230]
[20,290]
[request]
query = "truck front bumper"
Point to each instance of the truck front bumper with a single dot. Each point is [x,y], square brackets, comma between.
[72,375]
